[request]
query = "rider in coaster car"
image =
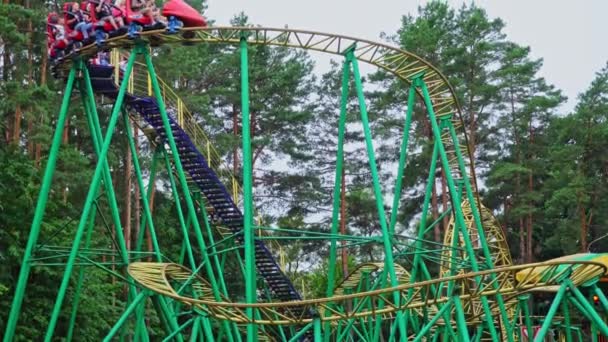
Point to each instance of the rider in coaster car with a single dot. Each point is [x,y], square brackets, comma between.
[104,13]
[58,29]
[156,11]
[142,9]
[79,20]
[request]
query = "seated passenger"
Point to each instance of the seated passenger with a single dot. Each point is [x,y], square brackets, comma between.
[58,30]
[101,58]
[119,9]
[156,12]
[79,20]
[141,9]
[104,14]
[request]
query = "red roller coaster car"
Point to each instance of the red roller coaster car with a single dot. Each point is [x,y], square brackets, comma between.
[184,12]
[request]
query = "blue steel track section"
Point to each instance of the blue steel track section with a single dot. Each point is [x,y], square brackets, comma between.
[102,79]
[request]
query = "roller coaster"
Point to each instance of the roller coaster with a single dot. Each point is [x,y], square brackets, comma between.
[464,289]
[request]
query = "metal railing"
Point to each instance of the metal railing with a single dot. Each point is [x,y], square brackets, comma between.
[140,84]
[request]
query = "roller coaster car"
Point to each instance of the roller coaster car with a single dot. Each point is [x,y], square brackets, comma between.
[139,22]
[76,37]
[56,48]
[180,14]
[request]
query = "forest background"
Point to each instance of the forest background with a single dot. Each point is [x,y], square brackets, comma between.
[544,173]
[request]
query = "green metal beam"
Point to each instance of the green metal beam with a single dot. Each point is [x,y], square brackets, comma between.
[250,277]
[43,196]
[388,249]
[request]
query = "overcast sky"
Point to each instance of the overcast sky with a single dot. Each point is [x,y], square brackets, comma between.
[569,35]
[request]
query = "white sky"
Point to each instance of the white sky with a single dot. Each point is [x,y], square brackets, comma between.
[569,35]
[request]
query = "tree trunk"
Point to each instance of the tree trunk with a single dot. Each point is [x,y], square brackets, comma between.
[530,190]
[522,240]
[30,77]
[17,125]
[151,203]
[43,67]
[66,131]
[529,228]
[583,218]
[30,142]
[472,133]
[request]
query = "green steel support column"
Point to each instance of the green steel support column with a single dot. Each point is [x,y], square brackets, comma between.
[549,317]
[317,329]
[123,318]
[456,206]
[597,324]
[195,329]
[199,236]
[88,202]
[417,263]
[427,327]
[301,333]
[411,99]
[182,253]
[208,330]
[181,174]
[388,250]
[601,296]
[477,218]
[567,320]
[182,327]
[76,299]
[590,311]
[161,314]
[40,207]
[337,184]
[216,261]
[594,336]
[479,333]
[513,322]
[523,302]
[171,319]
[97,137]
[436,335]
[460,320]
[250,284]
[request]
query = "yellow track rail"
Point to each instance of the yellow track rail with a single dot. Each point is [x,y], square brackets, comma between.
[161,277]
[403,64]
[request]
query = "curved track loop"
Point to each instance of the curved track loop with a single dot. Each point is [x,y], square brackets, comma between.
[167,279]
[495,239]
[402,64]
[370,269]
[146,272]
